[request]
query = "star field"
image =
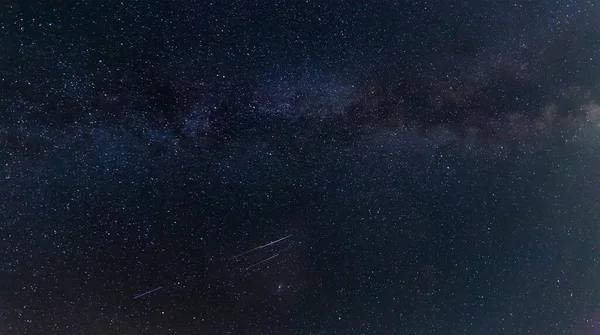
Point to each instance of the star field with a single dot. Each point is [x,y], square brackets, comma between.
[300,167]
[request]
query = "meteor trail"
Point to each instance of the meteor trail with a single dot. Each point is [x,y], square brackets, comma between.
[264,260]
[261,246]
[143,294]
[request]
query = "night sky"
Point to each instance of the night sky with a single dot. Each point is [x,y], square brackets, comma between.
[300,167]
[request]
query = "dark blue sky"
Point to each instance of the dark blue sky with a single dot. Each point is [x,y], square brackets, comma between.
[433,165]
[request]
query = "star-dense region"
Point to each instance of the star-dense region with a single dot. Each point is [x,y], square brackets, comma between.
[300,167]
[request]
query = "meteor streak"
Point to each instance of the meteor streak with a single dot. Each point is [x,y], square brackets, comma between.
[143,294]
[264,260]
[261,246]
